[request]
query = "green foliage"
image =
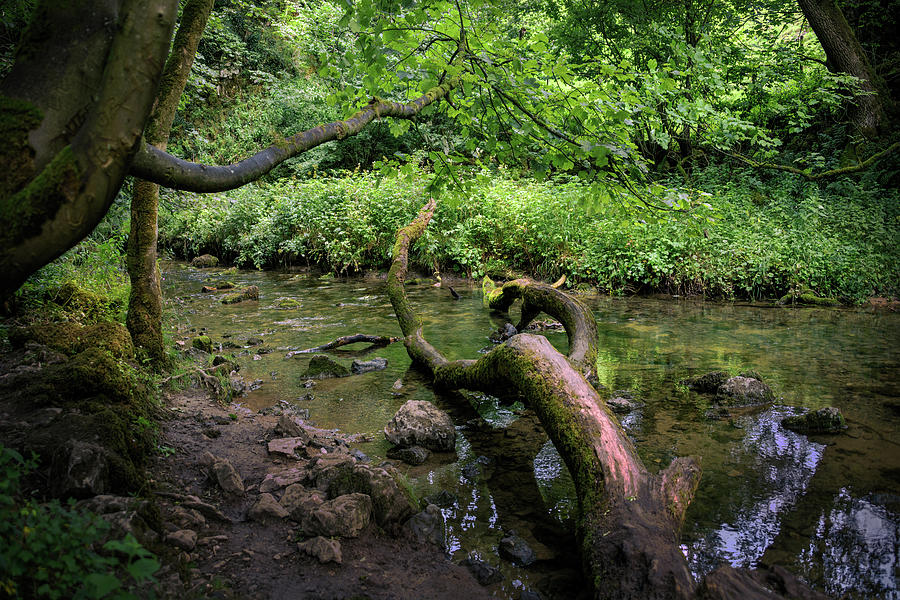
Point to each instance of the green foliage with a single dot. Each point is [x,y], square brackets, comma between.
[755,239]
[51,550]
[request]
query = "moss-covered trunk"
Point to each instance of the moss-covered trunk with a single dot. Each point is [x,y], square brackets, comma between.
[144,318]
[629,518]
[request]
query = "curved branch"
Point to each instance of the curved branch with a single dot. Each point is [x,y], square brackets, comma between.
[862,166]
[160,167]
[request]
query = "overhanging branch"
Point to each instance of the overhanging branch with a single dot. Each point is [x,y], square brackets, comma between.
[161,167]
[861,166]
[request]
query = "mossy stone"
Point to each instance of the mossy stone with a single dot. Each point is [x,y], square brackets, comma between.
[202,342]
[204,261]
[288,303]
[322,367]
[824,420]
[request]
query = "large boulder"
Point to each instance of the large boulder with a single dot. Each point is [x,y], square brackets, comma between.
[345,516]
[392,501]
[428,526]
[743,391]
[420,423]
[299,501]
[824,420]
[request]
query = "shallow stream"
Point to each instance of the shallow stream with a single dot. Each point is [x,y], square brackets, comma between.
[825,507]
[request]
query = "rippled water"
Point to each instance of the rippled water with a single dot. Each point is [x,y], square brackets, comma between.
[825,507]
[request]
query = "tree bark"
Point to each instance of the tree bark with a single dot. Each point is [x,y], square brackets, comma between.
[845,55]
[630,518]
[144,319]
[162,168]
[76,102]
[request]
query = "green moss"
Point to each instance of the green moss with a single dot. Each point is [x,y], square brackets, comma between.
[26,212]
[322,367]
[72,338]
[17,118]
[202,342]
[287,303]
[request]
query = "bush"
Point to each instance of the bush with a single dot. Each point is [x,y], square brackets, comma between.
[756,238]
[54,551]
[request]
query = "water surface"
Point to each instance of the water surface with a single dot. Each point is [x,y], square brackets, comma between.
[825,507]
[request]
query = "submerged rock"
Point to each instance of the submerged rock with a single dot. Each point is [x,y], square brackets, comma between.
[824,420]
[414,455]
[428,526]
[322,367]
[516,550]
[323,549]
[743,391]
[420,423]
[623,402]
[248,293]
[483,572]
[503,333]
[287,303]
[204,261]
[365,366]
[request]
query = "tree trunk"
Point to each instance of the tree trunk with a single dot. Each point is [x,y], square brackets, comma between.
[74,104]
[845,55]
[144,319]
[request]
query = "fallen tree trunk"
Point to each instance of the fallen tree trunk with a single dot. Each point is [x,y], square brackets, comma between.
[629,519]
[375,341]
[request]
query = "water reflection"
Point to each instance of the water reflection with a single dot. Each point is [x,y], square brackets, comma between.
[773,468]
[856,542]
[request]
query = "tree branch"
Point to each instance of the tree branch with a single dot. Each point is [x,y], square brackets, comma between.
[160,167]
[862,166]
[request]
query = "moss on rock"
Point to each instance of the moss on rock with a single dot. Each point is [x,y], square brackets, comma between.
[72,338]
[202,342]
[824,420]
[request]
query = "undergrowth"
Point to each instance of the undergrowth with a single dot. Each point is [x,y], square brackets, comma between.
[755,237]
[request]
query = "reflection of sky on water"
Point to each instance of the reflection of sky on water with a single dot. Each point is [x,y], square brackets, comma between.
[856,544]
[776,466]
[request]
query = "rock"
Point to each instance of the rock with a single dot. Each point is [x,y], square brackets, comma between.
[420,423]
[428,526]
[398,385]
[204,261]
[824,420]
[743,391]
[322,367]
[227,476]
[516,550]
[224,284]
[443,498]
[706,384]
[359,455]
[207,289]
[623,402]
[202,342]
[292,447]
[299,501]
[248,293]
[237,383]
[287,426]
[186,539]
[483,572]
[79,469]
[414,455]
[275,481]
[287,303]
[323,549]
[392,502]
[471,471]
[254,341]
[267,509]
[125,515]
[345,516]
[364,366]
[503,333]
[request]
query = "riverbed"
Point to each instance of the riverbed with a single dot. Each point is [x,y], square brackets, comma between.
[825,507]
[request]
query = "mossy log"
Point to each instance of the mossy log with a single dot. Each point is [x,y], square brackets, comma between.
[629,518]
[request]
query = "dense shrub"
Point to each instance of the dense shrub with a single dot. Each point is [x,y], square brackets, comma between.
[756,238]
